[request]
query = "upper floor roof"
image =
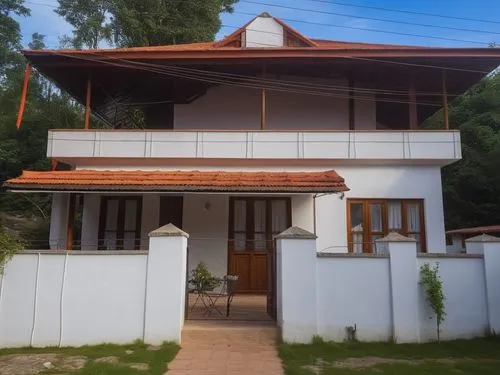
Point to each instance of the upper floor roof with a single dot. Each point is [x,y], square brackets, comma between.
[265,46]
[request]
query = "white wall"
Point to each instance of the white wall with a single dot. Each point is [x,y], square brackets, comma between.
[208,231]
[391,182]
[222,107]
[73,298]
[456,245]
[303,212]
[226,107]
[354,291]
[51,300]
[381,295]
[263,32]
[464,288]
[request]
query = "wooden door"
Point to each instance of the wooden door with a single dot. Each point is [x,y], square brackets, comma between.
[252,224]
[171,211]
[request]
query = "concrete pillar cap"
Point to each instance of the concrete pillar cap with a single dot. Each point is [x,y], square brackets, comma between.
[396,237]
[296,233]
[483,238]
[169,230]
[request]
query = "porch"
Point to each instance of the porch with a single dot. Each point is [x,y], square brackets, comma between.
[244,308]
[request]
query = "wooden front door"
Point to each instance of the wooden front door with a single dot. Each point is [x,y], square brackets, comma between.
[252,224]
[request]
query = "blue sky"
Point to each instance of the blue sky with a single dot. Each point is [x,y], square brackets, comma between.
[353,28]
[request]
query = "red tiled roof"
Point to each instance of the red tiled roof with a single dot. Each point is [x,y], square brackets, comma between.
[225,44]
[188,181]
[476,230]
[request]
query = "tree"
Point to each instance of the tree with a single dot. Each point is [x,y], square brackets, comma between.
[37,41]
[164,22]
[10,35]
[471,187]
[89,19]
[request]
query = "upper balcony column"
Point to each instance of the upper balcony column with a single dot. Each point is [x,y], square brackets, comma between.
[87,103]
[445,102]
[412,96]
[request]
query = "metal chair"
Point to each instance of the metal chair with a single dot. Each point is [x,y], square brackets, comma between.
[227,290]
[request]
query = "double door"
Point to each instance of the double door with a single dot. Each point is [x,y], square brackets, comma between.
[252,224]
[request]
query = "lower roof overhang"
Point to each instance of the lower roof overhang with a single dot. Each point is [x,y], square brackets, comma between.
[178,181]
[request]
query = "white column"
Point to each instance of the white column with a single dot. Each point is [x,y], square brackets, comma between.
[90,221]
[165,285]
[59,221]
[404,286]
[489,247]
[296,285]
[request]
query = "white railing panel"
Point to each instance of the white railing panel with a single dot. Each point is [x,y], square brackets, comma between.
[356,145]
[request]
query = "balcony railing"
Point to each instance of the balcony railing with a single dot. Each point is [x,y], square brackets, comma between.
[438,146]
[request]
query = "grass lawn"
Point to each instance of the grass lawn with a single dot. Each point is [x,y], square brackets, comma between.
[466,357]
[120,358]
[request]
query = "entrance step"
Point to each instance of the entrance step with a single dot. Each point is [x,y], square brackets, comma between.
[222,347]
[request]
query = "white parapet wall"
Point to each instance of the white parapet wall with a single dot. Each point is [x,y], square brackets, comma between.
[380,297]
[62,298]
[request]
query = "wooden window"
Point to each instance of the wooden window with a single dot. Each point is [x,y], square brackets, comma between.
[372,219]
[254,222]
[120,223]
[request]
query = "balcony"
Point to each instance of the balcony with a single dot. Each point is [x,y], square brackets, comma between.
[359,147]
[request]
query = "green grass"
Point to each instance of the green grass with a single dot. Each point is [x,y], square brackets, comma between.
[471,357]
[156,359]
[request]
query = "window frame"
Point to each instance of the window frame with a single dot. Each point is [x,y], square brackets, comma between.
[367,233]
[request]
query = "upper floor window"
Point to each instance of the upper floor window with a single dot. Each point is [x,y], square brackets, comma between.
[372,219]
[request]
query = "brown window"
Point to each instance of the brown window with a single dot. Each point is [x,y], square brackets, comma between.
[371,219]
[120,223]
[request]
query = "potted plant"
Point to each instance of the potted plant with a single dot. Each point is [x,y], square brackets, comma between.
[202,279]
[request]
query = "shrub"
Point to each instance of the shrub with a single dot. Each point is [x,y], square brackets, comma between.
[8,247]
[429,277]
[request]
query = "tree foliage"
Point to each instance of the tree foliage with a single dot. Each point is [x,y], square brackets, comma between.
[471,187]
[26,148]
[130,23]
[163,22]
[89,19]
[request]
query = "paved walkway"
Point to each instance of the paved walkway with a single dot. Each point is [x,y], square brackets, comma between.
[220,348]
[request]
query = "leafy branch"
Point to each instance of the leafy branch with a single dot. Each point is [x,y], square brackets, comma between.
[8,247]
[429,278]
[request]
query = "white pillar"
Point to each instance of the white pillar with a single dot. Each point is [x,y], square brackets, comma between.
[165,285]
[90,221]
[296,285]
[404,286]
[59,221]
[489,247]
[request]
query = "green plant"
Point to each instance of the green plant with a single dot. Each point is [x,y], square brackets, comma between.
[8,247]
[429,278]
[203,279]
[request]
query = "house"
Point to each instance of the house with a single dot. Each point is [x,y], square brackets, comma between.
[455,239]
[236,140]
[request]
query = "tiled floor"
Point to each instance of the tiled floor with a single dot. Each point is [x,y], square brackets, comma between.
[243,308]
[227,348]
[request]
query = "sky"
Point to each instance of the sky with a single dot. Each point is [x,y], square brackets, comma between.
[334,19]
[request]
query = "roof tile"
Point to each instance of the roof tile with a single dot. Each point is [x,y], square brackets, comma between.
[327,181]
